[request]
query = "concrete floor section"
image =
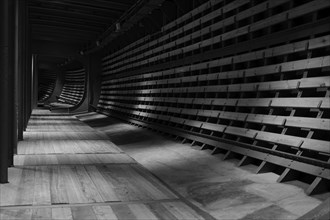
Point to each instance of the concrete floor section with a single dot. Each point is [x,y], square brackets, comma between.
[216,186]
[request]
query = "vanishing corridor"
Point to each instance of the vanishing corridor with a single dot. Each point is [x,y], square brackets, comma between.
[66,170]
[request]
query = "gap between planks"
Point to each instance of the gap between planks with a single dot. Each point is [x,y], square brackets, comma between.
[70,153]
[56,205]
[89,164]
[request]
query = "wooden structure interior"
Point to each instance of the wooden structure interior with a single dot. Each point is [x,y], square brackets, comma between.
[165,109]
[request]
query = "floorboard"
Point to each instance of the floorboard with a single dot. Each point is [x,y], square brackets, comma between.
[71,159]
[65,169]
[67,147]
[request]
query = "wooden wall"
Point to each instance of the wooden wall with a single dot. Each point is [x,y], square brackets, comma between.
[46,84]
[246,78]
[74,87]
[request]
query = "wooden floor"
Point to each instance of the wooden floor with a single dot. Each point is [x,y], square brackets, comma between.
[66,170]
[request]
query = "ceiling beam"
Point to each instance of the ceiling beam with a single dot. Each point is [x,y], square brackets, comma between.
[62,37]
[74,22]
[133,15]
[45,27]
[95,3]
[43,16]
[76,6]
[61,40]
[109,4]
[53,23]
[65,13]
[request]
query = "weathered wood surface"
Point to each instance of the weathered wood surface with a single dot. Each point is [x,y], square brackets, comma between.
[76,175]
[133,211]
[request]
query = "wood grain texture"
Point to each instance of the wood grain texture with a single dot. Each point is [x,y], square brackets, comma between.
[67,159]
[104,213]
[131,211]
[62,213]
[74,174]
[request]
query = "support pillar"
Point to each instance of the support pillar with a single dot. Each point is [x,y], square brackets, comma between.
[21,59]
[4,90]
[11,107]
[18,70]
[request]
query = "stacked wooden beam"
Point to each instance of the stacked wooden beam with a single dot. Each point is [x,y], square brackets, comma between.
[74,87]
[47,81]
[265,102]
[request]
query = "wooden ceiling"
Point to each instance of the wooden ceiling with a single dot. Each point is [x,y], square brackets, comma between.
[74,21]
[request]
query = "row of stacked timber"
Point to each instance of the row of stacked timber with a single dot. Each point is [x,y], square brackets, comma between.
[73,90]
[249,79]
[74,87]
[46,85]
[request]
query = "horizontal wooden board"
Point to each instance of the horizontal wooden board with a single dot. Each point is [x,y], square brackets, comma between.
[66,159]
[66,147]
[135,211]
[36,185]
[68,135]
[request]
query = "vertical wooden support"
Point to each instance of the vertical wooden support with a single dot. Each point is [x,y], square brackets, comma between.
[4,90]
[203,147]
[20,67]
[215,151]
[11,105]
[265,167]
[24,92]
[319,185]
[287,175]
[29,76]
[229,155]
[17,69]
[34,83]
[245,161]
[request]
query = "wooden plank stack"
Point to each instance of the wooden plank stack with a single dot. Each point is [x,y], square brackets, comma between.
[47,81]
[247,78]
[74,87]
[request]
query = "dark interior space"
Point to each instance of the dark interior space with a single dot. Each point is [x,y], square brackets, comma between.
[165,109]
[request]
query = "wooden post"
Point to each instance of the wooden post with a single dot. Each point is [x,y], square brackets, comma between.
[20,66]
[11,106]
[4,91]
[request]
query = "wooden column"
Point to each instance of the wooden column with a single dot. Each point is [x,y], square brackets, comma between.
[12,126]
[35,81]
[28,73]
[21,59]
[5,94]
[20,65]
